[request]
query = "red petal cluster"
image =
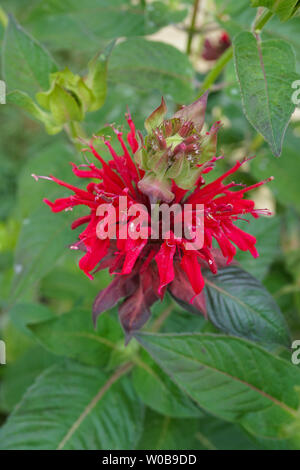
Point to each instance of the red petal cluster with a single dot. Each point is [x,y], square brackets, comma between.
[143,269]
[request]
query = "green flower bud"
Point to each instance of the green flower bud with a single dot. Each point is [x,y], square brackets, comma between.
[175,149]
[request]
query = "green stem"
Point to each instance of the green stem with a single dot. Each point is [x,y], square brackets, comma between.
[228,54]
[216,71]
[192,27]
[260,22]
[75,131]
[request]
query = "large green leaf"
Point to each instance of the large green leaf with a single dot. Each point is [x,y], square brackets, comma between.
[266,72]
[74,406]
[239,304]
[72,335]
[26,64]
[86,25]
[166,433]
[285,9]
[234,379]
[158,391]
[43,239]
[152,65]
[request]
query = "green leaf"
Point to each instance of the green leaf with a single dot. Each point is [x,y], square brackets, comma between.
[150,65]
[73,406]
[166,433]
[285,9]
[26,64]
[72,335]
[85,26]
[158,391]
[50,158]
[266,72]
[266,230]
[22,314]
[72,286]
[21,374]
[96,79]
[239,304]
[233,379]
[43,239]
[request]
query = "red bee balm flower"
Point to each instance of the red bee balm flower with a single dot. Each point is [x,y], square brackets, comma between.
[168,166]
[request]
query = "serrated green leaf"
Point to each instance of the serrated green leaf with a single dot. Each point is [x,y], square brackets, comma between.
[266,72]
[159,393]
[73,406]
[150,65]
[239,304]
[233,379]
[26,64]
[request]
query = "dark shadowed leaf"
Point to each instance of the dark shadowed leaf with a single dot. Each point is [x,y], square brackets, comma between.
[166,433]
[239,304]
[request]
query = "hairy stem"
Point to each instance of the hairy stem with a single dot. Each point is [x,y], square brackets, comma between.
[216,71]
[261,20]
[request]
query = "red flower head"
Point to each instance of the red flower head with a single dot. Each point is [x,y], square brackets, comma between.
[169,165]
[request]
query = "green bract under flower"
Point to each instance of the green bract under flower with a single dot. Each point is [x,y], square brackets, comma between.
[175,149]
